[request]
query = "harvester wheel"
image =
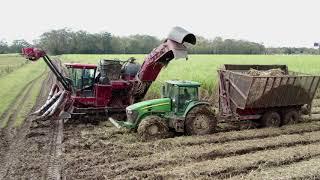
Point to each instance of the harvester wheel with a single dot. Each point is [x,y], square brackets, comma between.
[291,117]
[271,119]
[153,127]
[200,121]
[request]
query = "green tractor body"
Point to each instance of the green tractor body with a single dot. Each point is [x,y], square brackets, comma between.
[136,112]
[178,109]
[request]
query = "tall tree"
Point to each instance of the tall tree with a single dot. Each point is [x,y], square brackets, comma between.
[56,41]
[17,45]
[4,48]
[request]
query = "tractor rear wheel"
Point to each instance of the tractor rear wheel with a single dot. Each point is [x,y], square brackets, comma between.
[200,121]
[271,119]
[291,116]
[153,127]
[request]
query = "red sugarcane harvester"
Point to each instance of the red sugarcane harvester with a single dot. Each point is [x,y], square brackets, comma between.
[99,91]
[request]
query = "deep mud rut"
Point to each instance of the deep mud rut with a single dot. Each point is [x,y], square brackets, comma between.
[30,152]
[56,150]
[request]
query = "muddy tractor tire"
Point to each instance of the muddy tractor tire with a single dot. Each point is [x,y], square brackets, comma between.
[271,119]
[200,121]
[291,116]
[152,128]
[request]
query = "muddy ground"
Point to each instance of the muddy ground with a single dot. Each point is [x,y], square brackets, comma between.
[104,152]
[27,152]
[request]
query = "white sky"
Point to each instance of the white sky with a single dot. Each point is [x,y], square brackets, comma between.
[273,22]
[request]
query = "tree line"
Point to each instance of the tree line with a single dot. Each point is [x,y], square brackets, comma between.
[66,41]
[15,47]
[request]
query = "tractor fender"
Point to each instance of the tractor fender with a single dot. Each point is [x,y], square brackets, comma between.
[193,105]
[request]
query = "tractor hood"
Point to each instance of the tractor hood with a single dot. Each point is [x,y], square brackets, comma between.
[150,104]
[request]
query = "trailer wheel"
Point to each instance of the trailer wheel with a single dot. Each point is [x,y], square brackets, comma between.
[153,127]
[291,117]
[199,121]
[271,119]
[305,109]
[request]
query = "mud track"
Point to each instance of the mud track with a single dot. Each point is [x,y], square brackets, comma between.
[9,134]
[307,168]
[32,150]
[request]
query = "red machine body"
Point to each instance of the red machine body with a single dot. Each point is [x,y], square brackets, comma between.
[102,96]
[107,88]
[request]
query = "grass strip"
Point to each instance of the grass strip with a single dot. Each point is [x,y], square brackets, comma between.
[13,83]
[29,103]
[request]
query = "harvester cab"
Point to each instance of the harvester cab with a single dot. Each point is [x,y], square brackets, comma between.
[179,109]
[83,77]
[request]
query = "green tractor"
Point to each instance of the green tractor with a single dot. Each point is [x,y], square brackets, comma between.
[179,110]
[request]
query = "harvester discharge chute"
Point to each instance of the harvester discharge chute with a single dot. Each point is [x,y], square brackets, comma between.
[103,90]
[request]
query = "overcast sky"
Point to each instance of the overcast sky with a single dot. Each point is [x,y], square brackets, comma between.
[273,22]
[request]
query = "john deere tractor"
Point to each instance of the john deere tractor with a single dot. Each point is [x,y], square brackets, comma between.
[179,110]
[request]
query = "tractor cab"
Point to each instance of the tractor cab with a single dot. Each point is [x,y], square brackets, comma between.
[182,93]
[83,78]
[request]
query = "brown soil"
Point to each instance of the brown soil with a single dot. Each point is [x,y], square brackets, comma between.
[28,149]
[119,154]
[17,144]
[306,168]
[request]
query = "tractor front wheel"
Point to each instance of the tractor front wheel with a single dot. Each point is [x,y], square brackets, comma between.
[152,128]
[200,121]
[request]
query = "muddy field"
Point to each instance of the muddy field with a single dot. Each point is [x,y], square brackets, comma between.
[53,150]
[26,152]
[105,152]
